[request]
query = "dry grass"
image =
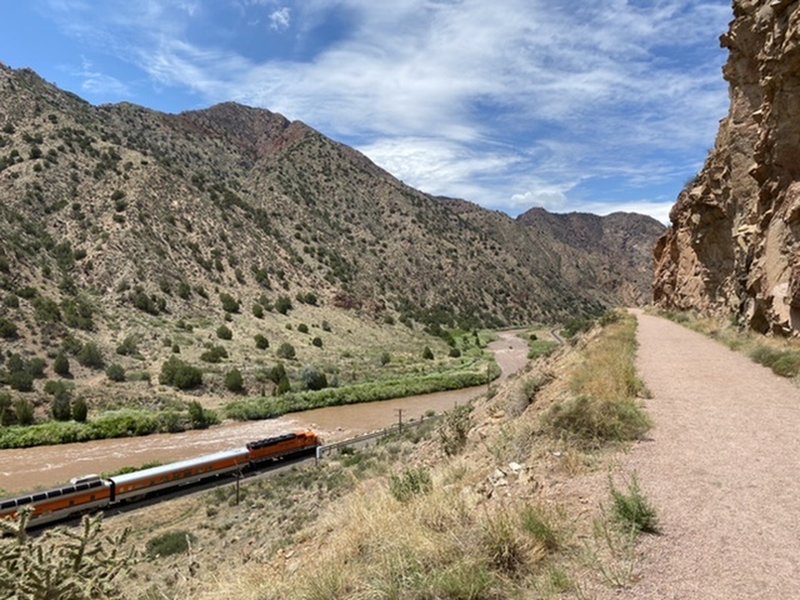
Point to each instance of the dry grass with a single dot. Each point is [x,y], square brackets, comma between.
[781,355]
[605,386]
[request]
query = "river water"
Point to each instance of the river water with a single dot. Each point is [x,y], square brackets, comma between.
[46,466]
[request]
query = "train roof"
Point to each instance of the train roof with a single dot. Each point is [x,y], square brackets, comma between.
[239,453]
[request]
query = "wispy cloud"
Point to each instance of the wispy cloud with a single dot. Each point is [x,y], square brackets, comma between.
[281,19]
[504,104]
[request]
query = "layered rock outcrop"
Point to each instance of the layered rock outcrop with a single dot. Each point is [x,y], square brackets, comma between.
[735,235]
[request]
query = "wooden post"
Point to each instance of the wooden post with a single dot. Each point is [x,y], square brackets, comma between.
[399,412]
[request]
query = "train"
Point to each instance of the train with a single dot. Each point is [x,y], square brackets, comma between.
[92,492]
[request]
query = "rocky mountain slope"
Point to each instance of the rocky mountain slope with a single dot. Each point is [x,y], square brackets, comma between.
[611,252]
[733,244]
[118,214]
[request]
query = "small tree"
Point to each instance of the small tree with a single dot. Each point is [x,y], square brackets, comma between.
[262,343]
[283,304]
[7,416]
[22,381]
[23,410]
[317,341]
[90,356]
[427,354]
[286,350]
[115,372]
[61,365]
[7,329]
[179,374]
[258,311]
[283,386]
[61,408]
[385,358]
[313,379]
[234,381]
[80,410]
[198,416]
[277,373]
[224,332]
[302,328]
[229,303]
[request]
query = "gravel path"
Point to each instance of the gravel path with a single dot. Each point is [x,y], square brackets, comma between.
[722,468]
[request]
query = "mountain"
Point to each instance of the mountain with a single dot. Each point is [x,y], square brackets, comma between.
[610,254]
[117,219]
[733,245]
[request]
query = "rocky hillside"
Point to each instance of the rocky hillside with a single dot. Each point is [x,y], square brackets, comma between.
[733,244]
[611,253]
[117,213]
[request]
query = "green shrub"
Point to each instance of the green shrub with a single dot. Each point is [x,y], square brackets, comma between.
[11,300]
[262,343]
[61,408]
[23,411]
[325,326]
[7,329]
[229,303]
[214,354]
[184,290]
[234,381]
[115,372]
[61,365]
[454,429]
[633,510]
[22,381]
[412,482]
[576,326]
[35,367]
[277,373]
[541,348]
[785,363]
[258,311]
[283,304]
[167,544]
[427,354]
[302,328]
[199,417]
[129,346]
[286,350]
[313,379]
[385,358]
[180,375]
[224,332]
[454,353]
[7,416]
[80,410]
[317,341]
[90,356]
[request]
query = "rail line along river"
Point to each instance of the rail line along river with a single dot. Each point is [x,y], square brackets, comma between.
[45,466]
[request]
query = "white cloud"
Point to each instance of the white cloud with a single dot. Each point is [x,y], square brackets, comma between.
[502,103]
[281,19]
[101,84]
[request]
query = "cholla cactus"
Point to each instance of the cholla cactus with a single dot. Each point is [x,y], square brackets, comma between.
[60,564]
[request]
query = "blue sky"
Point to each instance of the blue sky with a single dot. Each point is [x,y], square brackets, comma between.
[582,105]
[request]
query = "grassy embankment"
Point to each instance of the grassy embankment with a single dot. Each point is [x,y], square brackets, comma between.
[782,355]
[432,532]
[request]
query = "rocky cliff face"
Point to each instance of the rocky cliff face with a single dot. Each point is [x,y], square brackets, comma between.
[733,244]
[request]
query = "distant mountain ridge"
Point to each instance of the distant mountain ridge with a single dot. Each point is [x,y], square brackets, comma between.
[119,201]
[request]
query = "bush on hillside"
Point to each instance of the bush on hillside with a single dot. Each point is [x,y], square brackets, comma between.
[286,350]
[234,381]
[180,375]
[262,343]
[90,356]
[224,332]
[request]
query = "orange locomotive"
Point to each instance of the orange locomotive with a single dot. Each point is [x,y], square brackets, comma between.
[92,492]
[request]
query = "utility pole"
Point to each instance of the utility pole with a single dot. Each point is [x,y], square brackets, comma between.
[399,412]
[238,477]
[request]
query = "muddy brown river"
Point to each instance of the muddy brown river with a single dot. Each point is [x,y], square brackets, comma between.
[45,466]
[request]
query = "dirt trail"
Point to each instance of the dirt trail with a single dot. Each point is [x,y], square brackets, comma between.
[721,468]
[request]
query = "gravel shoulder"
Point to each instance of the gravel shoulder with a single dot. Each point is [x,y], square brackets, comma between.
[721,467]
